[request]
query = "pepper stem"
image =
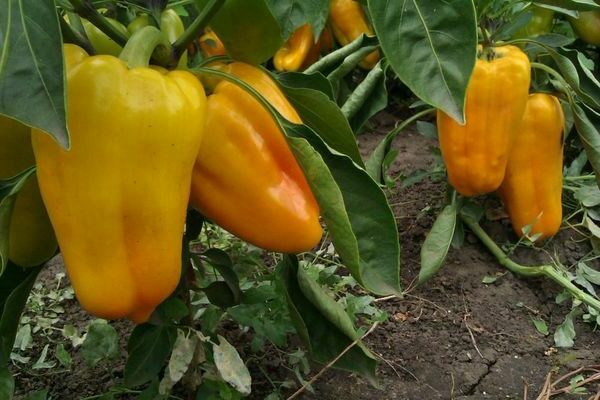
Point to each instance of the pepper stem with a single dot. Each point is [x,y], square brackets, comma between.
[548,271]
[85,9]
[143,44]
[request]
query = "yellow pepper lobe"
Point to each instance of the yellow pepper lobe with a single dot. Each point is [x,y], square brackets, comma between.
[348,21]
[117,199]
[246,178]
[476,153]
[532,187]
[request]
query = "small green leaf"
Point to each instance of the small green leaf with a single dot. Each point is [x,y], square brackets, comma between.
[7,384]
[565,333]
[437,243]
[489,279]
[231,367]
[101,342]
[540,325]
[148,347]
[63,356]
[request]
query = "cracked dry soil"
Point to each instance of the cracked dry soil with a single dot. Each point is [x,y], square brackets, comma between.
[457,338]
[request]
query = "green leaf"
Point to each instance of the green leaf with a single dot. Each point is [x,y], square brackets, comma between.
[437,243]
[9,190]
[148,347]
[300,80]
[254,37]
[587,122]
[15,285]
[292,14]
[334,60]
[224,294]
[101,342]
[590,274]
[489,279]
[32,86]
[231,367]
[322,337]
[324,117]
[366,238]
[565,333]
[540,326]
[63,356]
[369,97]
[431,46]
[7,384]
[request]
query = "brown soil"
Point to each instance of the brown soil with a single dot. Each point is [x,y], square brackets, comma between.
[454,338]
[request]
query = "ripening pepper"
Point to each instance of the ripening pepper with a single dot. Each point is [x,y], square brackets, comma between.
[246,178]
[118,198]
[348,21]
[211,45]
[300,51]
[100,41]
[540,23]
[532,188]
[31,238]
[587,26]
[476,153]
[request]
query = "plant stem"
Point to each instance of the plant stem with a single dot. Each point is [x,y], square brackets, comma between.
[143,44]
[86,10]
[194,30]
[548,271]
[74,37]
[557,76]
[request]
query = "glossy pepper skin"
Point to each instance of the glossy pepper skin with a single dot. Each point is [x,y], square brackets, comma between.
[211,45]
[587,26]
[118,198]
[293,54]
[31,237]
[476,153]
[300,51]
[348,21]
[532,188]
[541,22]
[246,178]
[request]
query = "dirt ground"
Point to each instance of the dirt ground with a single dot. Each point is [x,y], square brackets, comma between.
[454,338]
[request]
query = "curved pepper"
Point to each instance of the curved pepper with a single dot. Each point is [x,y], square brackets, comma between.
[293,54]
[246,178]
[532,188]
[100,41]
[211,45]
[348,21]
[31,238]
[300,51]
[476,153]
[540,23]
[587,26]
[118,197]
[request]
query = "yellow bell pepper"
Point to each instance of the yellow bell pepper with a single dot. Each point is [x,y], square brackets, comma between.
[532,188]
[246,178]
[300,51]
[476,153]
[118,197]
[31,237]
[348,21]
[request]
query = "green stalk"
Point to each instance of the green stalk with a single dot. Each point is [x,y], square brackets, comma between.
[143,44]
[74,37]
[194,30]
[85,9]
[548,271]
[557,76]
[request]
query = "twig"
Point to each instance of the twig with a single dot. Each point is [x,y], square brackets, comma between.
[525,389]
[545,394]
[330,364]
[465,316]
